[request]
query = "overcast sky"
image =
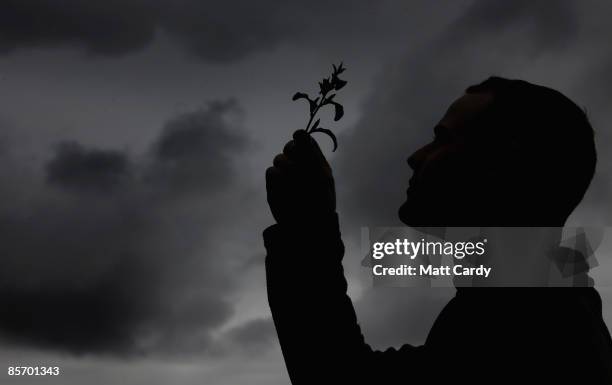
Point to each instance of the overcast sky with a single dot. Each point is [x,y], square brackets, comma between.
[134,136]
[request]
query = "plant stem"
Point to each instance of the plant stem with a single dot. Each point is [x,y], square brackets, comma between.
[312,115]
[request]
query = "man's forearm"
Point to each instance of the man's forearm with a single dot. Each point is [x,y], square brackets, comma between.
[314,317]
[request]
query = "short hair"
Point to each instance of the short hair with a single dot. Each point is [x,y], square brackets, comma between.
[553,134]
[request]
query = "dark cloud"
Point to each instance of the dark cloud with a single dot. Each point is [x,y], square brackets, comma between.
[549,25]
[214,31]
[197,148]
[98,317]
[75,167]
[129,272]
[109,27]
[237,28]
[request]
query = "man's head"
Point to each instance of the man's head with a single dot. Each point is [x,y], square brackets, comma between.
[506,153]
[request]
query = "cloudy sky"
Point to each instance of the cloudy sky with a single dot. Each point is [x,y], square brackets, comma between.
[134,136]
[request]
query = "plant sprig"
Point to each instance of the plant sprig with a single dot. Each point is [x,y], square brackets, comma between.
[326,87]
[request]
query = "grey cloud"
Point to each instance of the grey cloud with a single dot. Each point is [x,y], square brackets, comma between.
[235,29]
[197,147]
[109,27]
[548,24]
[254,335]
[134,271]
[75,167]
[98,317]
[218,32]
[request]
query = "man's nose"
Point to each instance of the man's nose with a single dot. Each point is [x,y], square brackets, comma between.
[415,160]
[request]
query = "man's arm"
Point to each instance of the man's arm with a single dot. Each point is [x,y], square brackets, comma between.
[314,317]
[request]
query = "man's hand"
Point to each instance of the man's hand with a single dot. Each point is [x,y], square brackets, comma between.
[300,185]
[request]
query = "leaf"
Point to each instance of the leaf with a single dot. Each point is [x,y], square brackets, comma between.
[329,133]
[329,98]
[325,86]
[339,113]
[340,69]
[338,83]
[300,95]
[315,125]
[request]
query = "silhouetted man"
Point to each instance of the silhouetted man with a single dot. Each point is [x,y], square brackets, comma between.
[533,151]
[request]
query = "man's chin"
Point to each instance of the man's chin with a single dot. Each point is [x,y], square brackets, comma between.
[420,214]
[412,215]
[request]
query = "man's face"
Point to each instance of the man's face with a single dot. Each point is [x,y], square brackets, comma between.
[445,183]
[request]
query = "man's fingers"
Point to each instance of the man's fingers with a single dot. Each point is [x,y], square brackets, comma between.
[272,175]
[275,191]
[289,149]
[274,184]
[307,150]
[282,162]
[300,136]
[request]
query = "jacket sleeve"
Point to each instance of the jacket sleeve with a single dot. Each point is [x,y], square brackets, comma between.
[314,317]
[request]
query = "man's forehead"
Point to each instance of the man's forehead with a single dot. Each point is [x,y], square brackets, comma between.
[464,109]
